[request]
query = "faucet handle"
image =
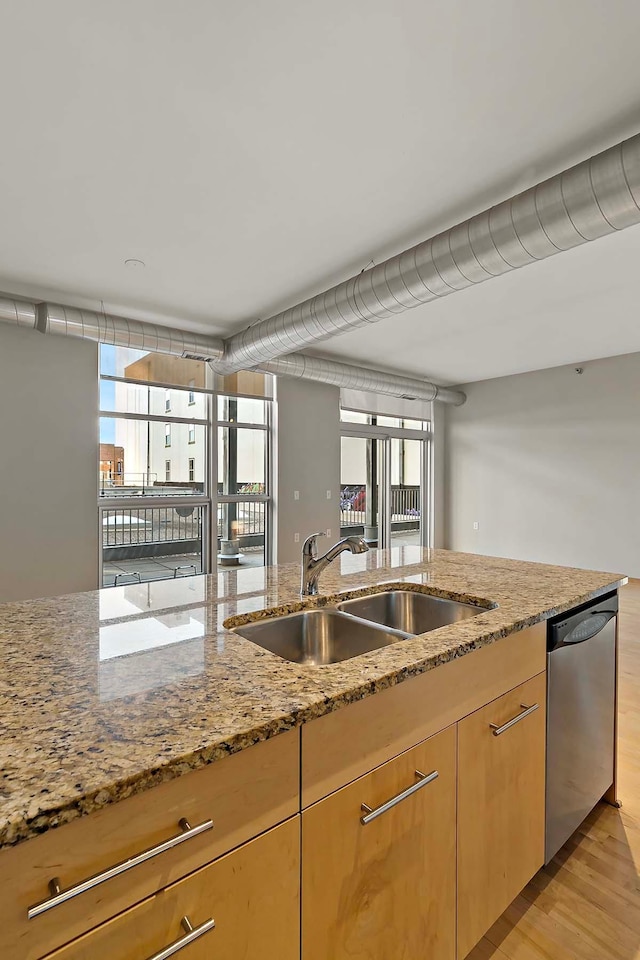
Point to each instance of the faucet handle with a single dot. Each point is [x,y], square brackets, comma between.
[309,546]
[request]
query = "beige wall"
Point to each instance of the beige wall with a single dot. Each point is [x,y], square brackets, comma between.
[48,465]
[307,460]
[548,464]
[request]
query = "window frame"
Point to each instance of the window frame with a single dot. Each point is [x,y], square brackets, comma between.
[208,498]
[384,434]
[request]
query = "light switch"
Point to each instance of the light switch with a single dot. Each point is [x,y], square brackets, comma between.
[296,494]
[296,538]
[328,494]
[476,525]
[328,531]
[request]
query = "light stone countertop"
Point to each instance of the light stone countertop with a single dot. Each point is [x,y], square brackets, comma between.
[105,694]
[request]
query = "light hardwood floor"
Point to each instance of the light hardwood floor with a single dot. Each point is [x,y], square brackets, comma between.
[586,904]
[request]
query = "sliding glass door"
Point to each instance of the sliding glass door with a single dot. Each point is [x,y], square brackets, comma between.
[385,480]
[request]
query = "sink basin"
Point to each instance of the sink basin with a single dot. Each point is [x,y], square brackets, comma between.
[410,612]
[318,636]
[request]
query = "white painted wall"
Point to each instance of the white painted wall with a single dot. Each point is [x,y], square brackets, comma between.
[307,460]
[48,464]
[548,464]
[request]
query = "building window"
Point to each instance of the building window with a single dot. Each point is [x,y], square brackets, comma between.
[167,401]
[192,470]
[167,434]
[192,433]
[192,396]
[167,470]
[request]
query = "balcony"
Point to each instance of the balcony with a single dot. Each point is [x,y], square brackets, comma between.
[159,542]
[405,512]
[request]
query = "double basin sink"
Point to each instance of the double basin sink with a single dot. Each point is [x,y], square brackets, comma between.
[353,627]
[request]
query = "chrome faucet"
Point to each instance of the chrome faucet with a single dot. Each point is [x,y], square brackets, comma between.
[313,565]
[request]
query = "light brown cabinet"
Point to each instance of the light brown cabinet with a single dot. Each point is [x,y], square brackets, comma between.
[501,784]
[346,744]
[437,858]
[386,888]
[252,895]
[243,795]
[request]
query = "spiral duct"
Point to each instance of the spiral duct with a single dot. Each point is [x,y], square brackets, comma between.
[590,200]
[345,375]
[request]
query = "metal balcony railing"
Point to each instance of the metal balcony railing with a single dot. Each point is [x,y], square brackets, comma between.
[405,505]
[242,519]
[140,525]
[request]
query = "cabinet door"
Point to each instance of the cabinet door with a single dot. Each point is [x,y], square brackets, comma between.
[501,773]
[386,888]
[243,795]
[252,895]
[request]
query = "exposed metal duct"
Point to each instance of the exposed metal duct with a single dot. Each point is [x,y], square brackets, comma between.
[21,313]
[123,332]
[359,378]
[100,327]
[590,200]
[66,321]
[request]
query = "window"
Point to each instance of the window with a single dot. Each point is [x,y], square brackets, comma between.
[159,423]
[243,444]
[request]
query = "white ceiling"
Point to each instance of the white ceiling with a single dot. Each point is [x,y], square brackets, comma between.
[254,153]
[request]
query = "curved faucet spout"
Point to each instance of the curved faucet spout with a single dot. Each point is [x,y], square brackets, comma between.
[312,565]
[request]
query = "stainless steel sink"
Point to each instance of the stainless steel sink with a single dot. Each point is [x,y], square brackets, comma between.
[413,613]
[318,636]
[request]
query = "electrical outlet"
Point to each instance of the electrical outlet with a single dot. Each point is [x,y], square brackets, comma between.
[476,525]
[296,494]
[328,531]
[328,494]
[296,538]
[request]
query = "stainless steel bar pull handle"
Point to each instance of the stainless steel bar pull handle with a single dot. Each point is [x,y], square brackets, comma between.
[423,780]
[192,933]
[58,895]
[526,711]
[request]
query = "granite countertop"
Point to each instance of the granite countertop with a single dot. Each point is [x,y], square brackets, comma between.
[105,694]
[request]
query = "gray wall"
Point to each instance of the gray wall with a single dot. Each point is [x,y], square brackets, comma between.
[48,465]
[548,464]
[307,460]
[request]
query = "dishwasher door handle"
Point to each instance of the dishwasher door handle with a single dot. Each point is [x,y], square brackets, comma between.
[589,627]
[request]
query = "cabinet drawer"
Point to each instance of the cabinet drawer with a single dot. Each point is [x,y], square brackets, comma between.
[345,744]
[501,798]
[243,795]
[252,895]
[385,888]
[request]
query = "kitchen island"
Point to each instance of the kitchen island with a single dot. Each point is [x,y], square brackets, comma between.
[137,701]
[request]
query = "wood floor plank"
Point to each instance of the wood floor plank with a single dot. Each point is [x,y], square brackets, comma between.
[586,904]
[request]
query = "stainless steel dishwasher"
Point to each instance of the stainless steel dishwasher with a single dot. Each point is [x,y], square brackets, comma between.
[581,678]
